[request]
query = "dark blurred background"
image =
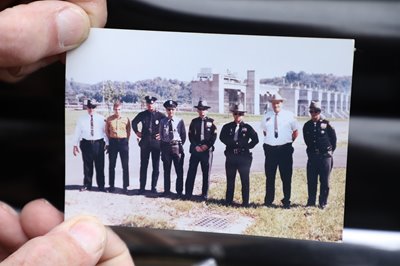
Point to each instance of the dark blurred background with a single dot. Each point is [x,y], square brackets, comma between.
[32,117]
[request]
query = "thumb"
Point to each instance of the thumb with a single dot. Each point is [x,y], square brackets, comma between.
[40,29]
[78,241]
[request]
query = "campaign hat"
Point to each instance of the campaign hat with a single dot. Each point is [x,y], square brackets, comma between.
[170,104]
[202,105]
[276,97]
[315,105]
[238,108]
[91,104]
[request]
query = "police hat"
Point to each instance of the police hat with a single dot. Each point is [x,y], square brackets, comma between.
[238,108]
[91,104]
[150,100]
[202,105]
[315,105]
[276,97]
[170,104]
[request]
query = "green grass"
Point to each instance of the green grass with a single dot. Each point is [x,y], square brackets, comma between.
[301,222]
[145,222]
[298,222]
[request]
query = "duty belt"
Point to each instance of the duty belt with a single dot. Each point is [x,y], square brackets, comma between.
[238,151]
[175,142]
[92,141]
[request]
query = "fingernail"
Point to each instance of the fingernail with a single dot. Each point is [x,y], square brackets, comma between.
[90,235]
[73,27]
[7,208]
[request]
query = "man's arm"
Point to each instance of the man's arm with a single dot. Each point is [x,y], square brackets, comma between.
[295,134]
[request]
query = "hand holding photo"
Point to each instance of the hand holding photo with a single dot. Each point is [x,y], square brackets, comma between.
[233,134]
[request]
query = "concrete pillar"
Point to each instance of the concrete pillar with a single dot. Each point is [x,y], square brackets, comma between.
[252,98]
[296,101]
[333,99]
[309,96]
[328,100]
[220,80]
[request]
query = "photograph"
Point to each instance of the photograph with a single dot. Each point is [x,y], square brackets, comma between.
[222,133]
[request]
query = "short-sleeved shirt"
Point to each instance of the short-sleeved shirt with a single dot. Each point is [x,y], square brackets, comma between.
[287,124]
[118,127]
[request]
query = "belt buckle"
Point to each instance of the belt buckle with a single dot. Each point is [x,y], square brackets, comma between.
[236,151]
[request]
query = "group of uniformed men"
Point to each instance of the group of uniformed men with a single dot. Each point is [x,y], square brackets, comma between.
[165,135]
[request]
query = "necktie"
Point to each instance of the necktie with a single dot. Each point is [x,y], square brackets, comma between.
[151,123]
[202,130]
[170,129]
[276,125]
[235,137]
[91,126]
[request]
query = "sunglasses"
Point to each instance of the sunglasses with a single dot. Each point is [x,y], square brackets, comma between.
[314,112]
[240,114]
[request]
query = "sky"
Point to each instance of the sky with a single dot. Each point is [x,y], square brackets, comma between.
[132,55]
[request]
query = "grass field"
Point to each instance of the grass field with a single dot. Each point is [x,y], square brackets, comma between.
[299,222]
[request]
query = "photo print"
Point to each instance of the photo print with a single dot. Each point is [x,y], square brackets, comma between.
[233,134]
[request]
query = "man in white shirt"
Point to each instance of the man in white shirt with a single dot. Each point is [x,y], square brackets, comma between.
[280,129]
[91,138]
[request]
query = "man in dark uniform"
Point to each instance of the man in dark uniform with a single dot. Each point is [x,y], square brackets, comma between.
[173,136]
[149,142]
[202,136]
[90,137]
[239,138]
[320,138]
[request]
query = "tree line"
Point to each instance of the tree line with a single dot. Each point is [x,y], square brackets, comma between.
[162,88]
[323,81]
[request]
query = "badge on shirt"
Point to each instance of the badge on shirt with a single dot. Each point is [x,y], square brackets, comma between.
[244,129]
[323,125]
[209,124]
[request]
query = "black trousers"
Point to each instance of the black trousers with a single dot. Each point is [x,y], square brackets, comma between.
[120,146]
[93,155]
[168,158]
[205,160]
[318,165]
[147,148]
[238,163]
[278,157]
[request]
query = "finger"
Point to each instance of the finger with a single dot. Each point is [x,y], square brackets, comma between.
[15,74]
[12,235]
[116,252]
[78,241]
[96,10]
[39,217]
[40,29]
